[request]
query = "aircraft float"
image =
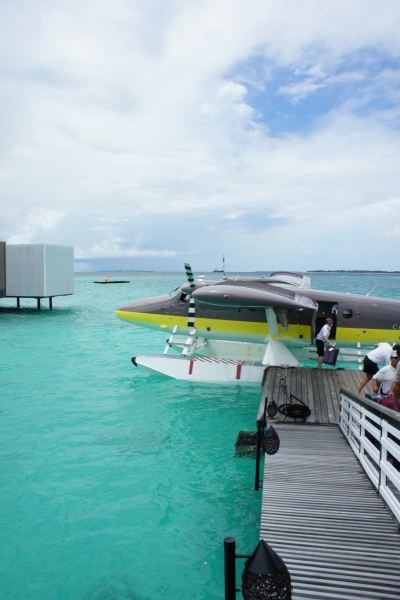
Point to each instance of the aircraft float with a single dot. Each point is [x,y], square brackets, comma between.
[230,330]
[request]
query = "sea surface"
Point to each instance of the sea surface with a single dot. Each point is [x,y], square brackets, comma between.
[114,484]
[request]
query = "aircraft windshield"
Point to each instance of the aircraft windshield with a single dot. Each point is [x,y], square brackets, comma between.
[174,292]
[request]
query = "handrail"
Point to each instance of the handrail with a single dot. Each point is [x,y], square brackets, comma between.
[374,436]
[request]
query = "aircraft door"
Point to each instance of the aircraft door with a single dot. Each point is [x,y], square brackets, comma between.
[367,318]
[324,311]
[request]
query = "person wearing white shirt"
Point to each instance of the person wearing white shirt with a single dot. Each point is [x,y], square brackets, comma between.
[396,388]
[380,354]
[383,379]
[320,340]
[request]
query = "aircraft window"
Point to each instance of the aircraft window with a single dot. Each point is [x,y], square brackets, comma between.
[184,297]
[175,290]
[347,313]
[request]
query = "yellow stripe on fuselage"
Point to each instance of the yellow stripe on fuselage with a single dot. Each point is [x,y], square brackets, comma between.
[229,329]
[350,336]
[153,320]
[252,331]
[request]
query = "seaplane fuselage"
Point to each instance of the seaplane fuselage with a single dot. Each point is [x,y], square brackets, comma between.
[259,309]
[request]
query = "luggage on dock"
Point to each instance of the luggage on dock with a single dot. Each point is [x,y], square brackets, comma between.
[330,356]
[386,401]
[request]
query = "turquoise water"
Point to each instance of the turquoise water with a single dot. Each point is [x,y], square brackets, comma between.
[114,484]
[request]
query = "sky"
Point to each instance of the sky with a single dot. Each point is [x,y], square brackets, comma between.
[148,133]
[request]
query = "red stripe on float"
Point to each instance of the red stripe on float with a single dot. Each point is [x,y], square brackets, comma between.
[191,367]
[239,370]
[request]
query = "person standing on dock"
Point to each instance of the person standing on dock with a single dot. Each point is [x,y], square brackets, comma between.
[320,340]
[380,354]
[396,388]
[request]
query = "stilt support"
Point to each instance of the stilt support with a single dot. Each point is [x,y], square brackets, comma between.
[50,302]
[38,303]
[18,302]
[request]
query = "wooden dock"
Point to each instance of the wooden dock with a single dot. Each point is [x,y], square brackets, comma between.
[319,389]
[320,512]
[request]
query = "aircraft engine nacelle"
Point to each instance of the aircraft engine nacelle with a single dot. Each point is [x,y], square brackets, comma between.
[243,297]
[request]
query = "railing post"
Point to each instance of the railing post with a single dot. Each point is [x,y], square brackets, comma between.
[362,434]
[230,568]
[383,459]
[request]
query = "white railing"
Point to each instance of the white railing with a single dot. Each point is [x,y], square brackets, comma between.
[373,433]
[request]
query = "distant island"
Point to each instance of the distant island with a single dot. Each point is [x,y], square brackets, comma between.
[348,271]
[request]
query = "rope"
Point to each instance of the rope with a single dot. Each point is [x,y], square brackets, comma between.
[291,409]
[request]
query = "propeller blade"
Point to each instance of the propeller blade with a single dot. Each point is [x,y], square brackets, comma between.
[189,274]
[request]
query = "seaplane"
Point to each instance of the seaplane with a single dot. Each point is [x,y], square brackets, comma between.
[230,330]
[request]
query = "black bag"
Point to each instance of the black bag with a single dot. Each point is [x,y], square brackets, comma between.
[375,397]
[330,356]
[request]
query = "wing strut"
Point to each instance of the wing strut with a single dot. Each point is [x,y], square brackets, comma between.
[272,322]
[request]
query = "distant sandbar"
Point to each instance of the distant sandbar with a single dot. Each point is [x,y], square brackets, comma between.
[350,271]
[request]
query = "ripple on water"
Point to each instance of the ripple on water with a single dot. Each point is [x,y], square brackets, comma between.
[114,484]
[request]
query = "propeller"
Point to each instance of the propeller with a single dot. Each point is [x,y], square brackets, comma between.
[192,308]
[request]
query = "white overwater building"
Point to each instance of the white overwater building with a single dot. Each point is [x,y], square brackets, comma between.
[36,271]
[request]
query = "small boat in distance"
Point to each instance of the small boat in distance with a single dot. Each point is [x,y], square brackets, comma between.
[216,270]
[107,281]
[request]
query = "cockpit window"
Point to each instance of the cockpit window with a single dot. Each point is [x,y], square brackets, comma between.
[347,313]
[173,293]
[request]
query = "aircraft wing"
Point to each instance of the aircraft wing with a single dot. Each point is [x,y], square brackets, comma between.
[246,297]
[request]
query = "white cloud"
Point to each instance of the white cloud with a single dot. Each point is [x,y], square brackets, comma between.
[112,248]
[37,223]
[130,129]
[298,91]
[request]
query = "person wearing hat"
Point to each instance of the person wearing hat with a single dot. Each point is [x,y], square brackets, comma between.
[320,340]
[381,353]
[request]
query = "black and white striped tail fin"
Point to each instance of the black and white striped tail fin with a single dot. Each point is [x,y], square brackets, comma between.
[189,274]
[191,313]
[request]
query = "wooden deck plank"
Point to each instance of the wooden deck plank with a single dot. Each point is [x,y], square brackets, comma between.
[323,517]
[335,396]
[353,379]
[346,380]
[306,397]
[326,378]
[317,404]
[321,396]
[310,393]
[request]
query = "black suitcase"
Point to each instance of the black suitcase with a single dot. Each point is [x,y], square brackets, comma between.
[330,356]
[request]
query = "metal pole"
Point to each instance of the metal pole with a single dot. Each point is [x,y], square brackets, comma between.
[258,456]
[38,303]
[50,302]
[230,568]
